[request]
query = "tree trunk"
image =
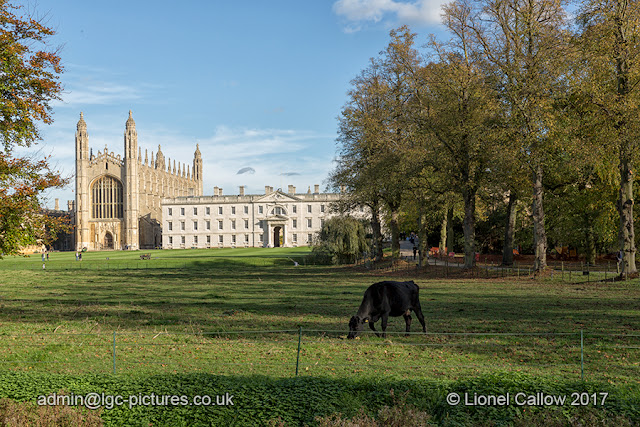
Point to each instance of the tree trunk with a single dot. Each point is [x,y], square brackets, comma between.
[539,232]
[376,231]
[469,225]
[509,230]
[395,233]
[450,229]
[626,234]
[443,233]
[423,247]
[590,241]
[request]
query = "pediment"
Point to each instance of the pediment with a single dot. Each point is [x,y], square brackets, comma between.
[278,197]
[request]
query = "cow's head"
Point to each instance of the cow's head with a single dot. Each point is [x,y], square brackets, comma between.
[355,326]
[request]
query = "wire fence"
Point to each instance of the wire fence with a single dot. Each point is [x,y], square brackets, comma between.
[563,271]
[296,352]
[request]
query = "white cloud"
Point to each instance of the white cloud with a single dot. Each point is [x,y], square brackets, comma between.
[98,94]
[421,12]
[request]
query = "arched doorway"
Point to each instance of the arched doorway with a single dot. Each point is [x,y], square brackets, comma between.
[277,238]
[108,240]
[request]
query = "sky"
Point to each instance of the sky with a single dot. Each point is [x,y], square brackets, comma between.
[259,85]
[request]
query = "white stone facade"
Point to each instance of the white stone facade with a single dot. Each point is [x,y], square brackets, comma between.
[272,219]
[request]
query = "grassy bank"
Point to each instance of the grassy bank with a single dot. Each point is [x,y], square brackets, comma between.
[239,312]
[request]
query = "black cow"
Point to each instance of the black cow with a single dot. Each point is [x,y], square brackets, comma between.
[384,299]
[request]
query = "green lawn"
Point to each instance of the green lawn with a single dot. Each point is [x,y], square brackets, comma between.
[239,312]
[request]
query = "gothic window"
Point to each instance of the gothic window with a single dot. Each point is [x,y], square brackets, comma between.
[107,198]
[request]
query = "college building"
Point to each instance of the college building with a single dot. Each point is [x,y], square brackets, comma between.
[118,197]
[272,219]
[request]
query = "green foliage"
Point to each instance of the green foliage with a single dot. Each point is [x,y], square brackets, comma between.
[341,240]
[261,400]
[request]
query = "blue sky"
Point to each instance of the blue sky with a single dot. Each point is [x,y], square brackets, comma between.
[255,83]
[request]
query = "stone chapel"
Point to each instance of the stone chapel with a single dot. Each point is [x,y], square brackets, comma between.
[118,198]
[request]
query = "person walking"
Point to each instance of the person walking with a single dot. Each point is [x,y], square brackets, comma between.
[620,261]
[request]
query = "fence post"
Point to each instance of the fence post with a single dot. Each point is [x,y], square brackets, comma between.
[581,355]
[114,352]
[298,356]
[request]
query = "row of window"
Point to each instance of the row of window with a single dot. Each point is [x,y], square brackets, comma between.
[234,239]
[207,224]
[276,211]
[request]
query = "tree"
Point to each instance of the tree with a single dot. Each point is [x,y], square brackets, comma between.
[609,41]
[458,106]
[29,73]
[526,43]
[360,132]
[396,155]
[377,135]
[341,240]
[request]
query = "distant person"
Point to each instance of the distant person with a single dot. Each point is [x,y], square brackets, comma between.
[80,256]
[42,256]
[415,252]
[47,256]
[76,255]
[620,262]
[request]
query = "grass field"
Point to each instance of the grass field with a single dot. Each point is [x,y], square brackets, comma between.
[244,311]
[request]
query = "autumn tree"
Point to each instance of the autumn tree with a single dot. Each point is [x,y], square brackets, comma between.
[376,135]
[361,130]
[400,149]
[609,41]
[526,43]
[29,81]
[458,107]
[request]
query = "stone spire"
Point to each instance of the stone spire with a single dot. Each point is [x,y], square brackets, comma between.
[82,125]
[159,159]
[130,122]
[146,157]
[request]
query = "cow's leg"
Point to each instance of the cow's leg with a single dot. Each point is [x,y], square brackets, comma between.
[418,311]
[385,318]
[373,328]
[407,321]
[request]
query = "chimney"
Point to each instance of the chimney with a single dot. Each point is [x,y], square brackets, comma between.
[70,205]
[215,191]
[220,192]
[266,189]
[57,207]
[292,189]
[241,190]
[316,189]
